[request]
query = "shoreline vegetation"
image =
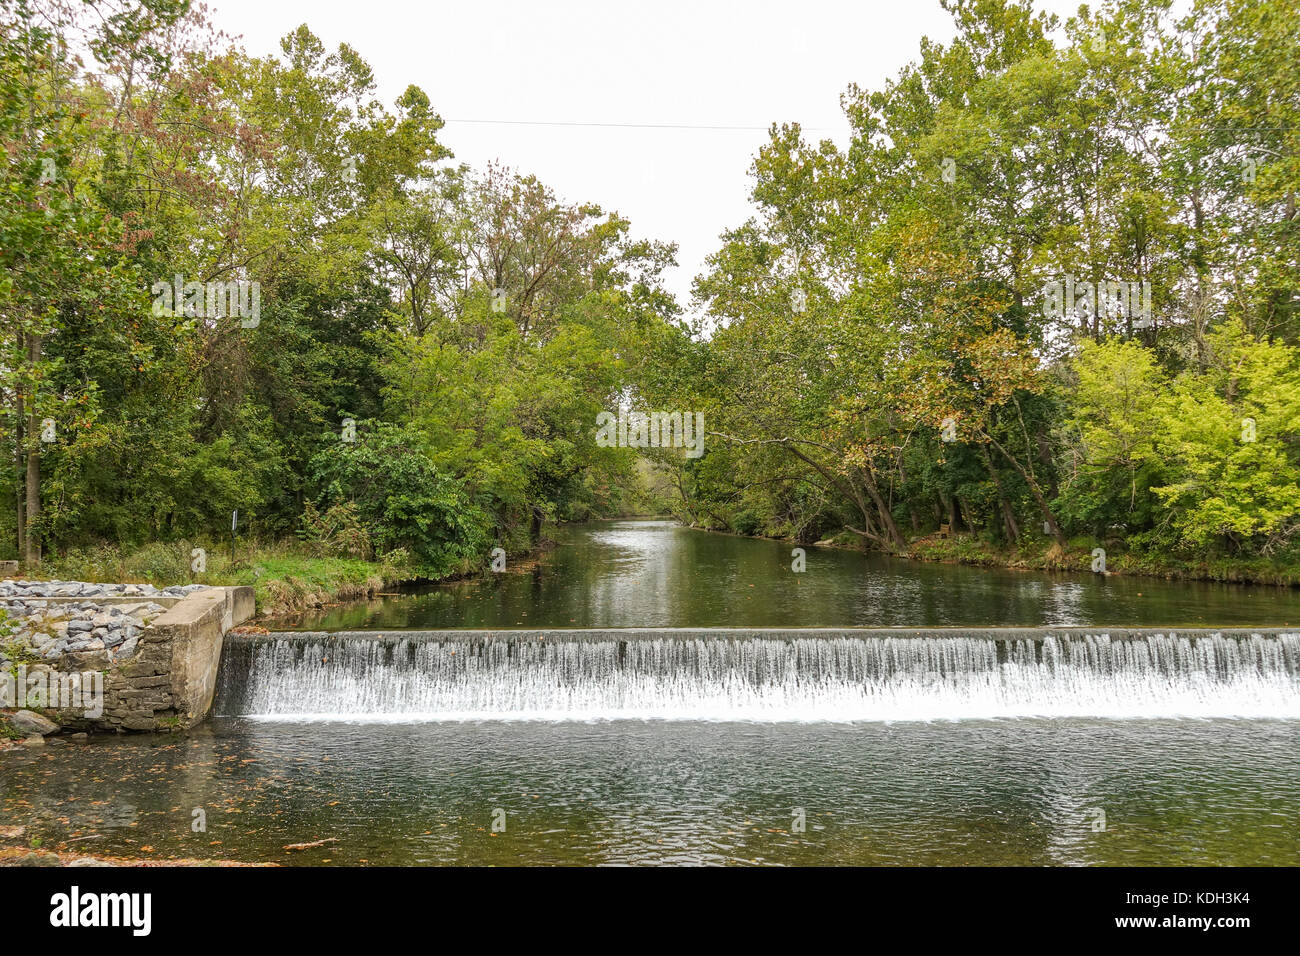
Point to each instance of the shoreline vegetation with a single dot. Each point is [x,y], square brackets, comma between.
[965,548]
[287,578]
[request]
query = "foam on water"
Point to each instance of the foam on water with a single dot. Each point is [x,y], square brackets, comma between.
[315,678]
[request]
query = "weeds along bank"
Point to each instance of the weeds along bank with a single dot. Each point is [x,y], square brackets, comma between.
[1081,555]
[285,577]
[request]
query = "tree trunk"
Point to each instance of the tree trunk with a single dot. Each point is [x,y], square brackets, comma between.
[19,464]
[890,536]
[1053,528]
[886,518]
[32,544]
[1008,516]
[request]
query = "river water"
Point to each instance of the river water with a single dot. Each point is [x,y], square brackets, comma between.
[658,574]
[402,745]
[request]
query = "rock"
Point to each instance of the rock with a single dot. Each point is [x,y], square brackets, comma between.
[35,741]
[29,722]
[90,659]
[78,626]
[79,738]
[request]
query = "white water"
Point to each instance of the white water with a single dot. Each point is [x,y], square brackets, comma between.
[824,679]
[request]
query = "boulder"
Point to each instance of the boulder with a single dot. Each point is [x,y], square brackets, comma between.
[32,723]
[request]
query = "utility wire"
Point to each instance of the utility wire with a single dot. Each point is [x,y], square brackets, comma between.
[752,129]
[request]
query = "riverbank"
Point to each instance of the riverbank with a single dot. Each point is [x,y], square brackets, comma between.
[1078,558]
[288,577]
[290,580]
[17,856]
[285,576]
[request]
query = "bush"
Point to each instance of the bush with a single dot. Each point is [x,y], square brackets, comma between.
[402,499]
[336,533]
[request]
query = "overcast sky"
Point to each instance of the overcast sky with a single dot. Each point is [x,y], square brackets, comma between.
[668,62]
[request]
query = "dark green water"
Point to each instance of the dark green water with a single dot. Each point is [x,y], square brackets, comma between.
[1026,792]
[657,574]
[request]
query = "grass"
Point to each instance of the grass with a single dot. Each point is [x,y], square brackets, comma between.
[1043,555]
[286,576]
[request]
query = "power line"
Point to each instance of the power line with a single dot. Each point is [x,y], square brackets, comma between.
[748,129]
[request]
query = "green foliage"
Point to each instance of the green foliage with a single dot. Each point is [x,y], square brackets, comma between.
[376,266]
[1230,436]
[387,477]
[872,353]
[339,532]
[1111,437]
[882,356]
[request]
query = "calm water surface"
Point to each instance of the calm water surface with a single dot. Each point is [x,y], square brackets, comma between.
[658,574]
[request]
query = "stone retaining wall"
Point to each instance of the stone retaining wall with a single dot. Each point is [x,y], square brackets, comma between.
[168,680]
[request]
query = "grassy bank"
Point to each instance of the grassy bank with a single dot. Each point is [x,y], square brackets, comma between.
[1042,555]
[287,576]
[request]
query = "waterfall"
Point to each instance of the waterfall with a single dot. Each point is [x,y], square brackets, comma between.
[837,676]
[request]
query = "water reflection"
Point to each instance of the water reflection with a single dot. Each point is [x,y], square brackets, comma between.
[997,792]
[658,574]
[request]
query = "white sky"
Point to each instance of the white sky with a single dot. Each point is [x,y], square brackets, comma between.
[704,63]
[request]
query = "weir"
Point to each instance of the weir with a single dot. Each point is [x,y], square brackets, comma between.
[816,674]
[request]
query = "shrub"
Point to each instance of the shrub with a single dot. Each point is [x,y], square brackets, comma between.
[338,532]
[401,498]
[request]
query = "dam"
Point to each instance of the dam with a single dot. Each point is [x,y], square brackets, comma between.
[761,674]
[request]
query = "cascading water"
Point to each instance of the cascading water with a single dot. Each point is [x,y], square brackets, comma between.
[567,676]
